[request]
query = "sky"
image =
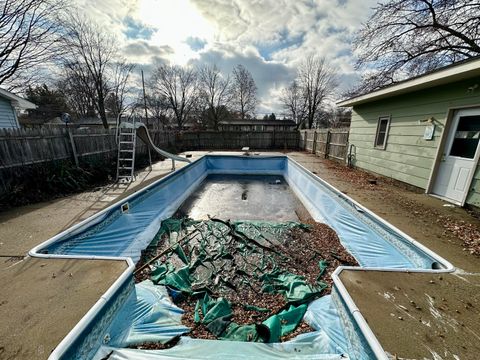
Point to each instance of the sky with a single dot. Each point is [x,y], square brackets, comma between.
[269,37]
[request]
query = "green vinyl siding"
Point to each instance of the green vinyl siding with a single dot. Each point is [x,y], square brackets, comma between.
[407,156]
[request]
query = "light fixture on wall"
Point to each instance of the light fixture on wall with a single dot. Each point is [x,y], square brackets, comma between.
[429,129]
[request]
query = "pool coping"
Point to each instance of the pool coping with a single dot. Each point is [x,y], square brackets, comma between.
[365,329]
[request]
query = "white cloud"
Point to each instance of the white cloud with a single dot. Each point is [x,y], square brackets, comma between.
[269,37]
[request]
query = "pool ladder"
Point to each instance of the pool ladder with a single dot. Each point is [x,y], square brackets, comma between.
[127,141]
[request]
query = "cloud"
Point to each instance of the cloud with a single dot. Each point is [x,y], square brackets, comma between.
[142,51]
[268,75]
[269,37]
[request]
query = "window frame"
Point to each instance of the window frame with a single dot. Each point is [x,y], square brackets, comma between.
[387,131]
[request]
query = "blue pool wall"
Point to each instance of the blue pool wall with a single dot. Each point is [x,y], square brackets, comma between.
[374,244]
[371,242]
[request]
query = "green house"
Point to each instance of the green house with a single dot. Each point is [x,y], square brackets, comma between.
[423,131]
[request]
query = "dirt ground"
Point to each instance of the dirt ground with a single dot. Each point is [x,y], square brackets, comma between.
[41,300]
[420,316]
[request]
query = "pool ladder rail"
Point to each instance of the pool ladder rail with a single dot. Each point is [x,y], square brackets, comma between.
[127,141]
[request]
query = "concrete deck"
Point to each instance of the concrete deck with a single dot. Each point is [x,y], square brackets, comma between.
[43,299]
[419,316]
[31,292]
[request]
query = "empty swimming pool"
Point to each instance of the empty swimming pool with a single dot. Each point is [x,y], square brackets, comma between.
[271,188]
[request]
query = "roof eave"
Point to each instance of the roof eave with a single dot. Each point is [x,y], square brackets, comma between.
[17,101]
[440,77]
[24,104]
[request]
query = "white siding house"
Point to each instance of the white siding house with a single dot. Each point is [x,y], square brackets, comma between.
[9,104]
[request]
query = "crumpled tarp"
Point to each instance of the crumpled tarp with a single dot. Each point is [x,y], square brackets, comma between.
[233,253]
[147,316]
[328,342]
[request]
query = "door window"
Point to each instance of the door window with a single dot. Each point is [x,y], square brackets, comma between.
[466,137]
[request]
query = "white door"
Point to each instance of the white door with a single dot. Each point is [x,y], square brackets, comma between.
[459,157]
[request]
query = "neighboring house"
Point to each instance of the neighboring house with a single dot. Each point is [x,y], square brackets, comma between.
[93,122]
[257,125]
[9,105]
[423,131]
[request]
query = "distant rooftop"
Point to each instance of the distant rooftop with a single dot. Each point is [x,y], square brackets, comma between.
[258,122]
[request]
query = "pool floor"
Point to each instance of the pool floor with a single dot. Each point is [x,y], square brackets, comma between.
[244,197]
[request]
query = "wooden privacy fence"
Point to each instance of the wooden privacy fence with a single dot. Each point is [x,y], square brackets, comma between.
[256,140]
[328,143]
[21,147]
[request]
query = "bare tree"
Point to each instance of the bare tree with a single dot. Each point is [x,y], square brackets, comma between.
[411,37]
[216,94]
[78,89]
[294,102]
[316,82]
[178,85]
[115,101]
[28,36]
[331,116]
[157,107]
[244,92]
[91,51]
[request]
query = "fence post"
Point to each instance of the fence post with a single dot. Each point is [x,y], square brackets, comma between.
[327,144]
[314,145]
[74,148]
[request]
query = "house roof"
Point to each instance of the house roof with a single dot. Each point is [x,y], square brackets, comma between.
[258,122]
[452,73]
[17,101]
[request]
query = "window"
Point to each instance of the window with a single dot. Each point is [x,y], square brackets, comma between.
[466,137]
[382,132]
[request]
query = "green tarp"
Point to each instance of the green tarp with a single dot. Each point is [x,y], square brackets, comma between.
[225,255]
